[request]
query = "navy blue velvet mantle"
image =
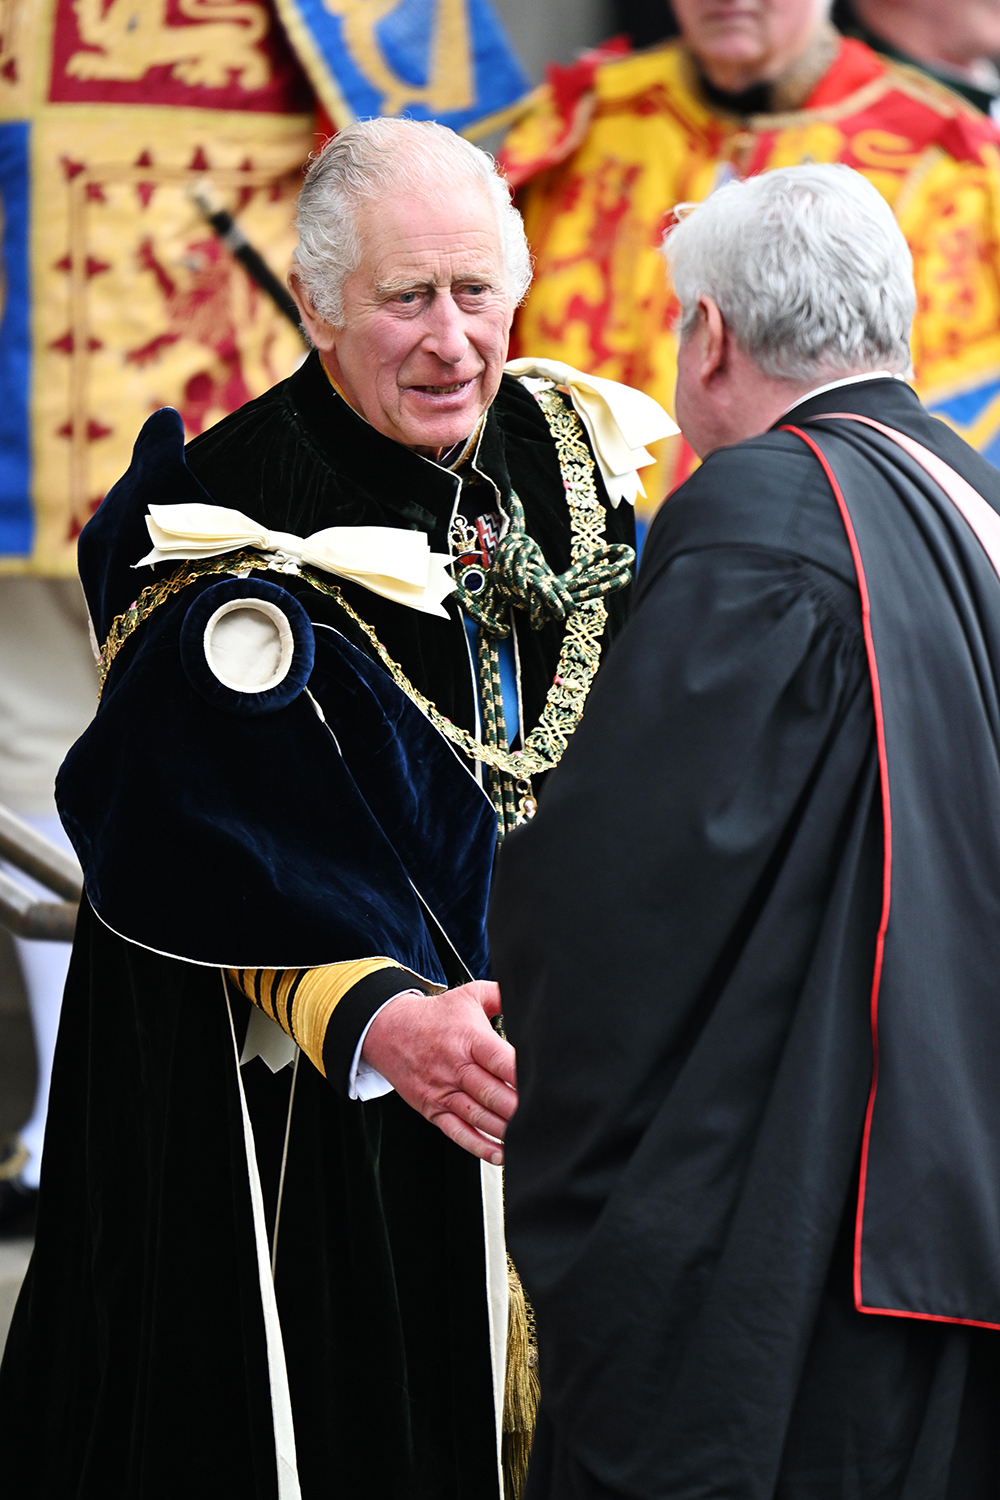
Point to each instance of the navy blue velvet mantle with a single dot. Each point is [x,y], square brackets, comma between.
[270,839]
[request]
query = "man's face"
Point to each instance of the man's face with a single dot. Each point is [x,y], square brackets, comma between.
[756,40]
[723,397]
[426,317]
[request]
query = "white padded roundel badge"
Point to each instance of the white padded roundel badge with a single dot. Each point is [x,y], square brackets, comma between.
[249,645]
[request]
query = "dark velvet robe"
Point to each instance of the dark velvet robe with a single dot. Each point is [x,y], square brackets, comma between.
[685,939]
[136,1364]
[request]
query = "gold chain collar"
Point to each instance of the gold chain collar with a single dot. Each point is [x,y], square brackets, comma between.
[579,657]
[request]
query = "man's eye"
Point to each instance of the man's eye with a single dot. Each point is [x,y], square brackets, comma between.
[407,298]
[477,288]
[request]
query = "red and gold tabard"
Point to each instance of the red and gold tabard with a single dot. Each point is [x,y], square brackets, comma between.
[610,148]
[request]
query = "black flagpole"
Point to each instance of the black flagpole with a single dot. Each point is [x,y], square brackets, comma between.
[239,246]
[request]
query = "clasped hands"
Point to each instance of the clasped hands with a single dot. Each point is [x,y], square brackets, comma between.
[443,1058]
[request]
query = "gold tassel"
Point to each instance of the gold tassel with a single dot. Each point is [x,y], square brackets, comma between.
[520,1393]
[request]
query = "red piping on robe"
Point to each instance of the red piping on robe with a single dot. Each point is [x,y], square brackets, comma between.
[985,523]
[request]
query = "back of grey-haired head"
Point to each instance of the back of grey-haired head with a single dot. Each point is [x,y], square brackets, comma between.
[370,159]
[808,267]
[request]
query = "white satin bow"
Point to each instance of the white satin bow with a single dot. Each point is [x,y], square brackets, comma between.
[394,563]
[620,421]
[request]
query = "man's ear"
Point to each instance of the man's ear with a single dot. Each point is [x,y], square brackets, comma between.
[322,333]
[712,341]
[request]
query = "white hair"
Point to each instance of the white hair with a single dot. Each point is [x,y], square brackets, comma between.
[374,157]
[808,267]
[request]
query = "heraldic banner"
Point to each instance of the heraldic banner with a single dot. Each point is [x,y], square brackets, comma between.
[610,145]
[117,297]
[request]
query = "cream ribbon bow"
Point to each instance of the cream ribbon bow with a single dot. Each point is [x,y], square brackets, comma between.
[620,421]
[394,563]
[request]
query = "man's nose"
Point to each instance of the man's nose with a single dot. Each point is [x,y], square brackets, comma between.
[446,336]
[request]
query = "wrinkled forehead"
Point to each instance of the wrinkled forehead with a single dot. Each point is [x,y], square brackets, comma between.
[433,234]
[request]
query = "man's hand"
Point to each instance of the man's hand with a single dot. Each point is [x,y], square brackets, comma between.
[443,1057]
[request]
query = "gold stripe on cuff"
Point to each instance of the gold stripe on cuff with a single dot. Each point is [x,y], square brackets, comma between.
[303,1000]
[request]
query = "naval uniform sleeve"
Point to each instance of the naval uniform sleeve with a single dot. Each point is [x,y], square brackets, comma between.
[327,1012]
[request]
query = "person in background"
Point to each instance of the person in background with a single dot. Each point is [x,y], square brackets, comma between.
[955,41]
[612,144]
[48,693]
[104,127]
[748,949]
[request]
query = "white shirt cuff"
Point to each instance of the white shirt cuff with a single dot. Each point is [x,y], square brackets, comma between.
[364,1081]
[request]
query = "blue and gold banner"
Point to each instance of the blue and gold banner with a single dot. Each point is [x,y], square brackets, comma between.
[15,341]
[975,415]
[445,60]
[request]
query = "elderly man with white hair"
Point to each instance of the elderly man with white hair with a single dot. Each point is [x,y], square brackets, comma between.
[749,947]
[270,1257]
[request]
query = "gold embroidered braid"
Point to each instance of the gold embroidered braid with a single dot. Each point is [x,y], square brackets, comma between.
[581,649]
[514,762]
[579,657]
[509,771]
[238,564]
[519,577]
[159,592]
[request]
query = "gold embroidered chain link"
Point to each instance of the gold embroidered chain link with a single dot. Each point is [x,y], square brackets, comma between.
[123,625]
[579,657]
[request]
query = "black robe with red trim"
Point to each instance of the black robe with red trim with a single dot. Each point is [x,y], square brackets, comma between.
[686,940]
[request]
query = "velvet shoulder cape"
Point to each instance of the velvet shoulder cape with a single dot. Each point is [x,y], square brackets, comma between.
[341,830]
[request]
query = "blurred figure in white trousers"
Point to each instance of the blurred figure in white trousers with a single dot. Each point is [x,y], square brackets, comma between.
[48,686]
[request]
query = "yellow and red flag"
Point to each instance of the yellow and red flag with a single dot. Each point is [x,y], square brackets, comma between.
[611,145]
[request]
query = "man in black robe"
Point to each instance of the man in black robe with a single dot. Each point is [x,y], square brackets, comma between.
[749,948]
[268,1281]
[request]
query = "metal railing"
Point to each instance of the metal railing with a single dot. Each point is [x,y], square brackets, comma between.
[33,854]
